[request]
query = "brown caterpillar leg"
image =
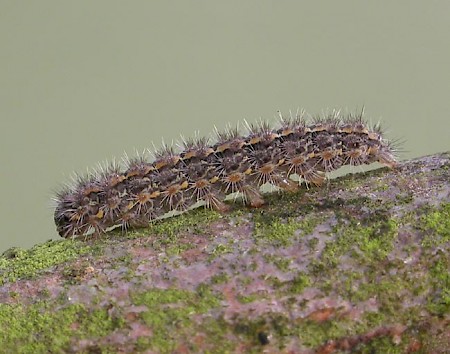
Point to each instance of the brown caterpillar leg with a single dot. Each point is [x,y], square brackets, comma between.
[315,177]
[254,197]
[387,160]
[215,203]
[285,183]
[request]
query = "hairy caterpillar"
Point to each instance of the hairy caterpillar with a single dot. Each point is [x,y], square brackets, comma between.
[143,190]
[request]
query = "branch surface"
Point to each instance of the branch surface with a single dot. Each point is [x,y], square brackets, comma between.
[361,264]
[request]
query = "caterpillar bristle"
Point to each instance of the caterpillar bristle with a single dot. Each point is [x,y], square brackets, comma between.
[145,189]
[230,133]
[165,152]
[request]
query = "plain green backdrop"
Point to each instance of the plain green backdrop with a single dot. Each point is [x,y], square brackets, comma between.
[85,81]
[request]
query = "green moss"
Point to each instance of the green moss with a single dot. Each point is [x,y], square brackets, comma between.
[169,229]
[386,291]
[282,263]
[294,286]
[349,181]
[193,221]
[299,283]
[281,233]
[314,334]
[219,278]
[373,319]
[348,281]
[13,253]
[255,330]
[41,329]
[313,243]
[246,299]
[277,232]
[382,188]
[373,242]
[363,208]
[436,225]
[219,250]
[383,345]
[170,313]
[404,198]
[439,301]
[143,343]
[176,249]
[245,280]
[284,204]
[76,273]
[274,282]
[27,263]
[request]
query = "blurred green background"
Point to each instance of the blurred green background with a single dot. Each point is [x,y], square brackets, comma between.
[86,81]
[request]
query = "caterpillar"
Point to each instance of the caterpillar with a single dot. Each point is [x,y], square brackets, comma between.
[141,191]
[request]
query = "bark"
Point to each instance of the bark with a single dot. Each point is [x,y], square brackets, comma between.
[359,265]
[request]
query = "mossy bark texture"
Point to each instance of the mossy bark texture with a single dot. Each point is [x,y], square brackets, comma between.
[359,265]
